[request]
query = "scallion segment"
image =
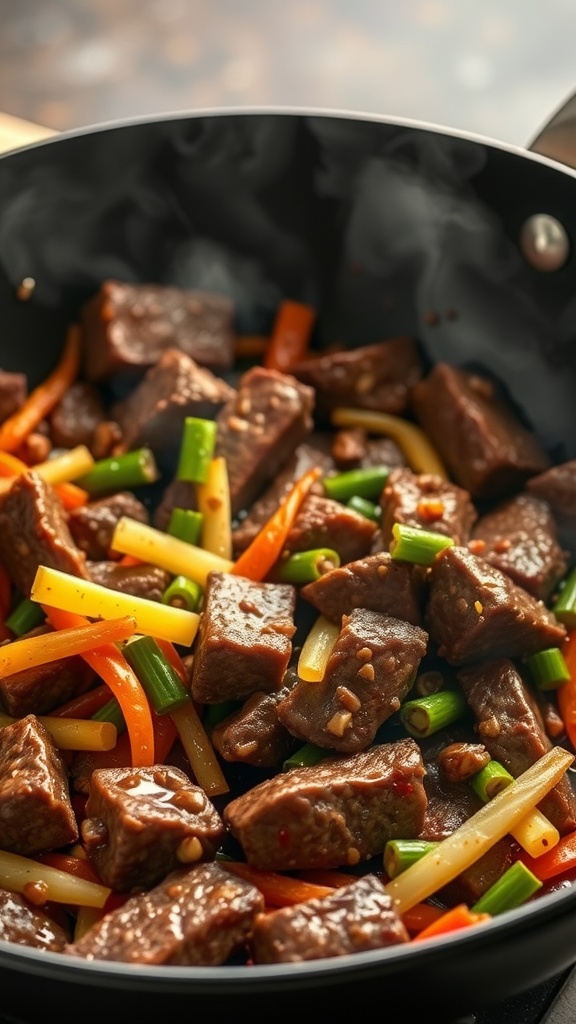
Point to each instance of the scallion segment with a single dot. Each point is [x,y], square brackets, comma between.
[183,593]
[121,473]
[490,780]
[24,617]
[111,712]
[513,888]
[548,668]
[399,854]
[185,524]
[163,686]
[365,483]
[365,508]
[216,713]
[305,757]
[306,566]
[411,544]
[565,606]
[424,716]
[196,449]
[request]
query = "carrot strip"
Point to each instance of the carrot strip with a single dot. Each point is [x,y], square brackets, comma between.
[250,346]
[566,694]
[290,337]
[278,890]
[74,865]
[451,921]
[562,858]
[327,877]
[257,560]
[129,561]
[421,916]
[12,466]
[71,495]
[85,704]
[63,643]
[45,397]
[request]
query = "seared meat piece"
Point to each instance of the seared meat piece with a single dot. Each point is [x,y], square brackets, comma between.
[352,448]
[324,523]
[557,486]
[254,734]
[92,526]
[244,640]
[76,417]
[483,443]
[13,391]
[368,675]
[510,726]
[35,810]
[28,925]
[260,429]
[426,502]
[375,376]
[474,611]
[459,761]
[43,687]
[519,538]
[139,580]
[340,812]
[33,532]
[355,917]
[196,916]
[178,494]
[376,582]
[142,823]
[126,327]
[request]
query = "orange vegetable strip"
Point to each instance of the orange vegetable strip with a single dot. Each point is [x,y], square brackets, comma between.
[290,337]
[566,694]
[45,397]
[250,346]
[63,643]
[421,916]
[85,704]
[74,865]
[109,663]
[278,890]
[129,560]
[562,858]
[451,921]
[199,750]
[71,495]
[12,466]
[257,560]
[327,877]
[165,735]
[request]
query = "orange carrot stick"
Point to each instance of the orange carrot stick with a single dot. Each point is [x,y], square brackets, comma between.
[278,890]
[557,861]
[421,916]
[71,495]
[250,346]
[451,921]
[63,643]
[290,337]
[85,704]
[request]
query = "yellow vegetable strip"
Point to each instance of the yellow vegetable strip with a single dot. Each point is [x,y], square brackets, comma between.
[535,833]
[17,874]
[75,733]
[72,594]
[421,456]
[214,503]
[176,556]
[63,643]
[69,466]
[316,650]
[199,750]
[477,835]
[86,918]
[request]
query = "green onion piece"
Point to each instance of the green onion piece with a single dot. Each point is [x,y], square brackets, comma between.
[424,716]
[410,544]
[216,713]
[162,684]
[490,780]
[183,593]
[196,449]
[111,712]
[513,888]
[120,473]
[548,668]
[25,616]
[399,854]
[565,607]
[305,757]
[365,508]
[365,483]
[306,566]
[185,524]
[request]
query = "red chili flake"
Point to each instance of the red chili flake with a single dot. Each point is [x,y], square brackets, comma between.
[430,509]
[283,837]
[402,787]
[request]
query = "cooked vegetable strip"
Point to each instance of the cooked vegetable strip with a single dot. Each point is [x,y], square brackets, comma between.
[27,876]
[70,495]
[363,483]
[316,650]
[290,336]
[534,833]
[185,524]
[565,606]
[451,921]
[365,508]
[111,712]
[196,449]
[426,715]
[558,861]
[513,888]
[63,643]
[548,668]
[420,454]
[161,683]
[480,832]
[306,566]
[121,472]
[399,854]
[42,400]
[70,593]
[278,890]
[305,757]
[183,593]
[250,346]
[176,556]
[25,616]
[75,733]
[421,916]
[65,467]
[257,560]
[566,694]
[214,505]
[411,544]
[85,705]
[199,750]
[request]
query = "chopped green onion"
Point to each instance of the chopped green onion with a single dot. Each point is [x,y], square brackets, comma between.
[111,712]
[120,473]
[306,566]
[548,668]
[25,616]
[410,544]
[183,593]
[424,716]
[216,713]
[490,780]
[185,524]
[565,607]
[305,757]
[364,508]
[364,483]
[513,888]
[399,854]
[162,684]
[196,449]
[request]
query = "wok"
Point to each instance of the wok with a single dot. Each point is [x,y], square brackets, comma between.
[388,227]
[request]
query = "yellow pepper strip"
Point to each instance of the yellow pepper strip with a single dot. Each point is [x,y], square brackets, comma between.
[214,503]
[24,875]
[316,650]
[412,440]
[176,556]
[199,750]
[75,733]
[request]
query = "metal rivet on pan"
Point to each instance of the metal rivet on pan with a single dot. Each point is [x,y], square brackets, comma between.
[544,242]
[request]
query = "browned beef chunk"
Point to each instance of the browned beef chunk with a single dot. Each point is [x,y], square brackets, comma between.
[325,523]
[92,526]
[139,580]
[519,538]
[340,812]
[483,443]
[35,810]
[376,582]
[511,728]
[76,417]
[196,916]
[557,486]
[244,639]
[426,502]
[460,761]
[142,823]
[368,675]
[474,611]
[260,428]
[33,532]
[29,926]
[354,918]
[375,376]
[126,327]
[175,387]
[13,391]
[41,688]
[254,734]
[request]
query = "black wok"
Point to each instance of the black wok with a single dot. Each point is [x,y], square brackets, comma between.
[388,228]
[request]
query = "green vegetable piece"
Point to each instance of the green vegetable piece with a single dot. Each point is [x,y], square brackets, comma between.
[183,593]
[565,606]
[364,483]
[185,524]
[111,712]
[426,715]
[161,683]
[548,668]
[25,616]
[399,854]
[491,780]
[120,473]
[196,449]
[513,888]
[365,508]
[410,544]
[216,713]
[306,566]
[305,757]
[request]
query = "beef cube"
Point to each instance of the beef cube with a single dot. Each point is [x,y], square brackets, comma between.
[33,532]
[144,580]
[175,387]
[260,429]
[486,447]
[127,327]
[142,823]
[474,611]
[42,688]
[35,810]
[92,526]
[254,734]
[427,502]
[510,726]
[198,916]
[557,486]
[340,812]
[354,918]
[244,640]
[325,523]
[377,376]
[13,391]
[519,538]
[377,582]
[76,417]
[369,673]
[27,925]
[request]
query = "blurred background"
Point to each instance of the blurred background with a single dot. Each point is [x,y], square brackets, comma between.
[496,67]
